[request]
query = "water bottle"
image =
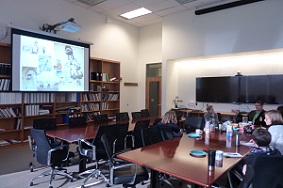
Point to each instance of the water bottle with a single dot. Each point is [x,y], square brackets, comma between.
[207,127]
[229,133]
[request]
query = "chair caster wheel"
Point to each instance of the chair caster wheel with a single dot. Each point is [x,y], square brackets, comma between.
[72,180]
[107,185]
[50,187]
[31,184]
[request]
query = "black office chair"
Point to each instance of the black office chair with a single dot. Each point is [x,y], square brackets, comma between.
[156,121]
[128,174]
[47,155]
[95,151]
[136,135]
[151,135]
[192,123]
[136,115]
[145,113]
[43,124]
[268,171]
[77,121]
[122,116]
[248,178]
[166,132]
[120,143]
[100,119]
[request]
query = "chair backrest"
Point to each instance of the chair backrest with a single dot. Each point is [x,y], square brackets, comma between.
[111,133]
[192,123]
[156,121]
[151,135]
[140,124]
[145,113]
[42,145]
[121,135]
[166,132]
[98,119]
[77,121]
[107,148]
[136,115]
[122,116]
[248,178]
[268,171]
[45,124]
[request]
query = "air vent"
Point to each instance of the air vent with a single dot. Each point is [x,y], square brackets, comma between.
[182,2]
[91,2]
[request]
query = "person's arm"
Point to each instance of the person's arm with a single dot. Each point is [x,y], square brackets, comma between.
[273,132]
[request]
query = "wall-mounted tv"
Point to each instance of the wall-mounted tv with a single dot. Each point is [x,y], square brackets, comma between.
[240,89]
[44,62]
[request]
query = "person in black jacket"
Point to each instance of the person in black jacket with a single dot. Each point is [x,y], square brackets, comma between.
[257,116]
[170,120]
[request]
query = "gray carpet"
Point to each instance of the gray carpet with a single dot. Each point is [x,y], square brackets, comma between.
[22,180]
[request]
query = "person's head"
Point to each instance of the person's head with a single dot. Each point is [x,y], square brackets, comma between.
[68,50]
[259,105]
[210,109]
[273,116]
[170,117]
[261,137]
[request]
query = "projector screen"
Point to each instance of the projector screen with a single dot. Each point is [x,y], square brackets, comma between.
[45,62]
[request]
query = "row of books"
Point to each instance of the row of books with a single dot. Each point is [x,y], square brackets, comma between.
[89,116]
[10,112]
[8,142]
[67,97]
[95,87]
[104,106]
[110,97]
[38,97]
[34,110]
[5,69]
[91,97]
[4,84]
[90,107]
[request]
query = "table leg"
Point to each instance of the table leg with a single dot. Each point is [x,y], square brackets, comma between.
[154,179]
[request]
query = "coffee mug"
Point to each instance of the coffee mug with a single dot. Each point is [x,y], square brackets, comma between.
[198,131]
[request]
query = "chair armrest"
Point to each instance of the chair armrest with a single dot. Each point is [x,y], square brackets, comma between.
[61,147]
[128,165]
[82,141]
[31,143]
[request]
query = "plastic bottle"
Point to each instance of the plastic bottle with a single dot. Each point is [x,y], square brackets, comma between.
[207,127]
[229,132]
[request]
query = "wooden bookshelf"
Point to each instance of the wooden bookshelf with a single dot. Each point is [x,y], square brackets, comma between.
[19,109]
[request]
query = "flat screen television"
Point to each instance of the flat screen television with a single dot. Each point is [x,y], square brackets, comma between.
[240,89]
[217,89]
[44,62]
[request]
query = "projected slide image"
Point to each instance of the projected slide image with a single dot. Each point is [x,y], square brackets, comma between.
[51,66]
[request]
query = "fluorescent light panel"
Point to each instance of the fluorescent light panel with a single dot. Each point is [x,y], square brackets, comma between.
[136,13]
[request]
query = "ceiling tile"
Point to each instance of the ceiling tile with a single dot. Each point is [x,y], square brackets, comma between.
[163,5]
[172,10]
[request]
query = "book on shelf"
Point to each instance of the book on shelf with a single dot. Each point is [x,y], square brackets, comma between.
[17,124]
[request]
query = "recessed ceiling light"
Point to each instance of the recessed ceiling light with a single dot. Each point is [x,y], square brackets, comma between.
[136,13]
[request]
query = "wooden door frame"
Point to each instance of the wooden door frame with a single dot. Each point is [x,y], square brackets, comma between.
[147,100]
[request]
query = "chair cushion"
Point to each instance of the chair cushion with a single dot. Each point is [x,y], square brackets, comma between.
[125,175]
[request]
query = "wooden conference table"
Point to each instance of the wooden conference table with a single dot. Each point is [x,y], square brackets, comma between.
[71,135]
[173,157]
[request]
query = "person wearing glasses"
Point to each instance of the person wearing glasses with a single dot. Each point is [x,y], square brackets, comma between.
[257,116]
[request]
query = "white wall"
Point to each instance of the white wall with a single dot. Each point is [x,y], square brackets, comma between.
[149,51]
[253,27]
[116,40]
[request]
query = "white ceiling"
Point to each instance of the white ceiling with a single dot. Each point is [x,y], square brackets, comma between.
[159,8]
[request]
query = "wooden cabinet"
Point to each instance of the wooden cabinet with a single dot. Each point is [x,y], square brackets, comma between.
[19,109]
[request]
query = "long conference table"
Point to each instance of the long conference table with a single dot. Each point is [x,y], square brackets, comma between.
[72,135]
[173,158]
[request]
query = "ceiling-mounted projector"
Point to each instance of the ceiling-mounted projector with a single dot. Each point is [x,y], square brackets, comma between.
[67,25]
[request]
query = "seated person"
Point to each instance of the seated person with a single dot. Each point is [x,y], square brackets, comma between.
[211,116]
[273,118]
[257,116]
[170,120]
[262,138]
